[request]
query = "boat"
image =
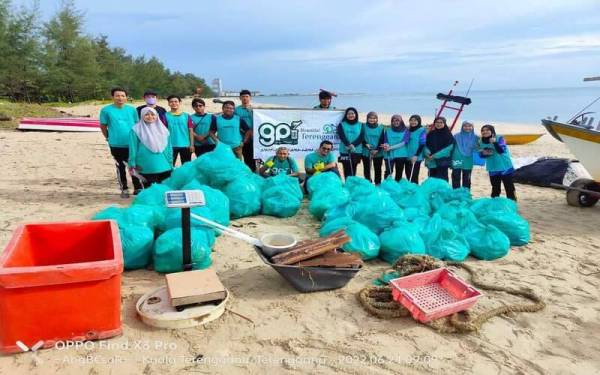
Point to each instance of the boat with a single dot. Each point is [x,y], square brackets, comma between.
[583,140]
[520,139]
[62,124]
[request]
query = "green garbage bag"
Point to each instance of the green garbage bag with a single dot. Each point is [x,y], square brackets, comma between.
[343,210]
[410,196]
[363,242]
[168,252]
[322,181]
[173,218]
[181,176]
[451,210]
[220,167]
[377,211]
[461,194]
[484,206]
[400,240]
[111,213]
[432,184]
[443,241]
[216,200]
[279,202]
[515,227]
[244,195]
[284,182]
[147,216]
[359,187]
[391,186]
[136,242]
[324,199]
[486,242]
[152,196]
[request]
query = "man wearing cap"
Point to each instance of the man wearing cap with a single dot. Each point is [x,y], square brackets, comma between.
[324,100]
[244,111]
[150,97]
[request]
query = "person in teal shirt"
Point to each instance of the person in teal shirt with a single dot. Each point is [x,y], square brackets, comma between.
[325,98]
[351,134]
[462,157]
[439,144]
[244,111]
[280,163]
[320,161]
[372,147]
[203,141]
[150,150]
[416,144]
[497,162]
[395,145]
[230,129]
[116,121]
[181,130]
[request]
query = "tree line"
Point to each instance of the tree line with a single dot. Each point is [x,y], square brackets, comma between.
[56,61]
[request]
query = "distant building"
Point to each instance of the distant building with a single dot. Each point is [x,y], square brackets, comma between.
[217,86]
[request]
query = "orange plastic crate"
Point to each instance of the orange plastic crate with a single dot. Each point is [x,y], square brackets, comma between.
[59,282]
[433,294]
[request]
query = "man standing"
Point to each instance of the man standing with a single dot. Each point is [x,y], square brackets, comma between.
[324,100]
[150,97]
[203,142]
[181,130]
[116,121]
[229,129]
[244,111]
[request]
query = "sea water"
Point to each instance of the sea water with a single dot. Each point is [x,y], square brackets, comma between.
[526,106]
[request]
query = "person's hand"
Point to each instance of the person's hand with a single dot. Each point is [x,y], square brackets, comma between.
[374,152]
[413,159]
[493,140]
[351,147]
[192,148]
[386,147]
[368,146]
[269,164]
[131,170]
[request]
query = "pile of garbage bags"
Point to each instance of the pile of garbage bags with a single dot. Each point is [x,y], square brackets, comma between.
[399,218]
[151,232]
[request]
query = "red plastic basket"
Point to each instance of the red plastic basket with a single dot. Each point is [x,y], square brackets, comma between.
[433,294]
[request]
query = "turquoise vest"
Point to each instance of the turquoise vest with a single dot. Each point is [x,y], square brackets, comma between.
[496,162]
[394,138]
[245,114]
[352,132]
[228,130]
[413,143]
[372,136]
[178,129]
[202,127]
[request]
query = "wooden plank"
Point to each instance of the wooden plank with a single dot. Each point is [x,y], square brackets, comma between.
[333,259]
[311,249]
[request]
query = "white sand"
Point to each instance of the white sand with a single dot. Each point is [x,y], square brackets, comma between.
[68,176]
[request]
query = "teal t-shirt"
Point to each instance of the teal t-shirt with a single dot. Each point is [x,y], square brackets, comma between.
[497,162]
[372,137]
[147,161]
[202,127]
[245,114]
[287,166]
[179,129]
[228,130]
[119,122]
[394,138]
[352,132]
[417,138]
[313,158]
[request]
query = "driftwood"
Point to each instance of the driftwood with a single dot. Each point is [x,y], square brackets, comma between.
[310,249]
[333,259]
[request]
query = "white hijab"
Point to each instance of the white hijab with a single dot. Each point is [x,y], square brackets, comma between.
[153,135]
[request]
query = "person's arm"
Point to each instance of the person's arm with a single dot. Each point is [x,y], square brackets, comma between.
[246,130]
[104,120]
[332,164]
[168,152]
[104,130]
[342,135]
[133,148]
[500,145]
[213,129]
[293,167]
[190,125]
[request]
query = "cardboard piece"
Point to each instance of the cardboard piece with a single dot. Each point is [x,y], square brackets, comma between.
[190,287]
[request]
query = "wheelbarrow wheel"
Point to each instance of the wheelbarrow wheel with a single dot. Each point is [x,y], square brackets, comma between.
[580,199]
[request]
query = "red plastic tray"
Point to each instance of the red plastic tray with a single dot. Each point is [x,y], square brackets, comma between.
[433,294]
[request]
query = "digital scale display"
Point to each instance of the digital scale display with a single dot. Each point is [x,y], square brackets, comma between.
[184,198]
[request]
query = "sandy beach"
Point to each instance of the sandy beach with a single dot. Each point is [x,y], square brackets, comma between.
[70,176]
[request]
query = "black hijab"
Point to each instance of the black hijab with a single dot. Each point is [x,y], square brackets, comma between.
[416,117]
[487,139]
[438,139]
[346,115]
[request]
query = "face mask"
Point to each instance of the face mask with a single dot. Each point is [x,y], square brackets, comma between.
[151,101]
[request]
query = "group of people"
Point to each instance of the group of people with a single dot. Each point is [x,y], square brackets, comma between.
[148,140]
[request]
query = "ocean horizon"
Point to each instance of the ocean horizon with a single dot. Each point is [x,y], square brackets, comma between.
[525,106]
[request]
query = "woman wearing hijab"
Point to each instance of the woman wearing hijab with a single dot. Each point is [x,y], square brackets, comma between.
[351,134]
[150,150]
[372,151]
[438,149]
[462,156]
[497,161]
[396,142]
[416,144]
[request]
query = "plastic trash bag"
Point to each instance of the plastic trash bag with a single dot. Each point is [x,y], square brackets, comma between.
[364,242]
[147,216]
[486,242]
[432,184]
[244,196]
[220,167]
[216,201]
[483,206]
[279,202]
[286,183]
[399,241]
[377,211]
[343,210]
[443,241]
[515,227]
[152,196]
[323,181]
[136,242]
[168,252]
[111,213]
[324,199]
[173,218]
[359,187]
[412,197]
[181,176]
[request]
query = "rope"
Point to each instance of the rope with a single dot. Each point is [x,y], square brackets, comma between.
[378,300]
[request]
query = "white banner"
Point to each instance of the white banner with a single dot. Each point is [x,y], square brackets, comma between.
[300,130]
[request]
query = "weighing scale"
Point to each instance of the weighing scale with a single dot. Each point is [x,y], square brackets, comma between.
[155,308]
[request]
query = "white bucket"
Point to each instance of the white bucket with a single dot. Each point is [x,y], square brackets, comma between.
[275,243]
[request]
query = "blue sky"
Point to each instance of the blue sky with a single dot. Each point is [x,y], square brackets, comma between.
[349,46]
